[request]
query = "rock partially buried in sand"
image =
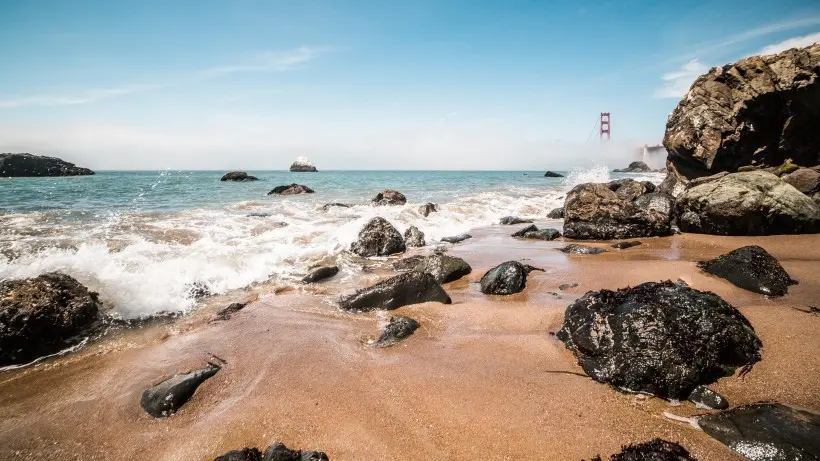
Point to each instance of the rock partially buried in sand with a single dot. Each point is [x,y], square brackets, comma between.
[399,328]
[659,338]
[751,268]
[428,208]
[625,245]
[654,450]
[413,237]
[409,288]
[704,397]
[43,315]
[320,273]
[506,278]
[556,213]
[239,176]
[378,238]
[577,249]
[170,395]
[276,452]
[532,232]
[389,197]
[766,431]
[510,220]
[457,238]
[444,268]
[292,189]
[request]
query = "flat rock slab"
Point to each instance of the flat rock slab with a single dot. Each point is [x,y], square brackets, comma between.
[506,278]
[165,398]
[654,450]
[704,397]
[577,249]
[399,328]
[751,268]
[320,273]
[412,287]
[766,431]
[533,232]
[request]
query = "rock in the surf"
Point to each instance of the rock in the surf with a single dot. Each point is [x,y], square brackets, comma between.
[303,165]
[378,238]
[456,238]
[747,203]
[704,397]
[239,176]
[399,328]
[552,174]
[766,431]
[226,313]
[25,165]
[389,197]
[635,167]
[276,452]
[625,245]
[413,237]
[556,213]
[751,268]
[506,278]
[320,273]
[444,268]
[412,287]
[533,232]
[428,208]
[291,189]
[409,263]
[166,397]
[43,315]
[660,338]
[578,249]
[327,206]
[654,450]
[510,220]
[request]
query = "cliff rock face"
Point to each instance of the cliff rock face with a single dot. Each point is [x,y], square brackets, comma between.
[22,165]
[303,165]
[758,111]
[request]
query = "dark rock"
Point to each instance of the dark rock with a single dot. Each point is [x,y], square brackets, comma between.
[551,174]
[660,338]
[509,220]
[408,263]
[556,213]
[704,397]
[749,203]
[654,450]
[389,197]
[443,268]
[532,232]
[198,290]
[506,278]
[225,314]
[257,215]
[413,237]
[320,273]
[275,452]
[635,167]
[761,110]
[245,454]
[625,245]
[412,287]
[457,238]
[399,328]
[428,208]
[577,249]
[238,176]
[43,315]
[766,431]
[751,268]
[23,165]
[328,206]
[567,286]
[168,396]
[291,190]
[805,180]
[378,238]
[303,165]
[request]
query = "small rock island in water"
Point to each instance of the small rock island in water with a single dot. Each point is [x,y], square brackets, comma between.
[30,165]
[303,165]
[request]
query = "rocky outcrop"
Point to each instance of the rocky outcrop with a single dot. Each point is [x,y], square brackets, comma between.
[635,167]
[510,220]
[506,278]
[276,452]
[576,249]
[303,165]
[320,273]
[413,237]
[758,111]
[751,268]
[24,165]
[238,176]
[292,189]
[456,238]
[428,208]
[533,232]
[747,203]
[556,213]
[166,397]
[43,315]
[552,174]
[618,210]
[412,287]
[654,450]
[378,238]
[389,197]
[661,338]
[399,329]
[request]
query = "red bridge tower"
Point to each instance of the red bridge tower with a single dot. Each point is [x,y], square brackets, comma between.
[604,125]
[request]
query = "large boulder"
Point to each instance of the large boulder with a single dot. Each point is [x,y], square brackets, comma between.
[412,287]
[239,176]
[378,238]
[661,338]
[21,165]
[291,189]
[635,167]
[758,111]
[747,203]
[506,278]
[751,268]
[618,210]
[43,315]
[168,396]
[303,165]
[389,197]
[806,180]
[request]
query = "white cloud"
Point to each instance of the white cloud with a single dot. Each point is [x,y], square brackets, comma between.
[677,83]
[82,97]
[273,61]
[794,42]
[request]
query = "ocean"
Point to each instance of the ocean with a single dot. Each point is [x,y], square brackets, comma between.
[143,238]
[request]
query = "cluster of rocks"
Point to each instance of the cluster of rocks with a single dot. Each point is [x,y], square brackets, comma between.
[30,165]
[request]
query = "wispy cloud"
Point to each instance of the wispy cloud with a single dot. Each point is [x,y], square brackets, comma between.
[82,97]
[794,42]
[677,83]
[273,61]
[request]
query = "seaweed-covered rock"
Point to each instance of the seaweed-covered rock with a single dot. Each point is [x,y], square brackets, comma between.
[413,237]
[577,249]
[704,397]
[532,232]
[378,238]
[43,315]
[510,220]
[239,176]
[444,268]
[654,450]
[506,278]
[457,238]
[751,268]
[660,338]
[428,208]
[320,273]
[291,189]
[625,245]
[766,431]
[552,174]
[556,213]
[170,395]
[412,287]
[399,328]
[25,165]
[389,197]
[276,452]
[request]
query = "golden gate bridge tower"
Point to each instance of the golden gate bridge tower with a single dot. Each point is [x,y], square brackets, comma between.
[604,125]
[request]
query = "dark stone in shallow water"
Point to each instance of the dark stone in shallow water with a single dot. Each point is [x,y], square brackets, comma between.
[766,431]
[412,287]
[328,206]
[399,328]
[168,396]
[556,213]
[625,245]
[428,208]
[654,450]
[257,215]
[577,249]
[457,238]
[198,290]
[320,273]
[552,174]
[532,232]
[506,278]
[751,268]
[276,452]
[291,189]
[413,237]
[660,338]
[238,176]
[378,238]
[705,397]
[509,220]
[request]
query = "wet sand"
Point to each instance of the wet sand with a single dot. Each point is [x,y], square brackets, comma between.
[481,379]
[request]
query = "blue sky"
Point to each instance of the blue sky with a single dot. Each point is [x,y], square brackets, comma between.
[355,84]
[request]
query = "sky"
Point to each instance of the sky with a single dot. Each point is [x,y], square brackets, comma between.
[421,84]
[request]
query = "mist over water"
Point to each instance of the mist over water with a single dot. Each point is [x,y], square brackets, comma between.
[142,238]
